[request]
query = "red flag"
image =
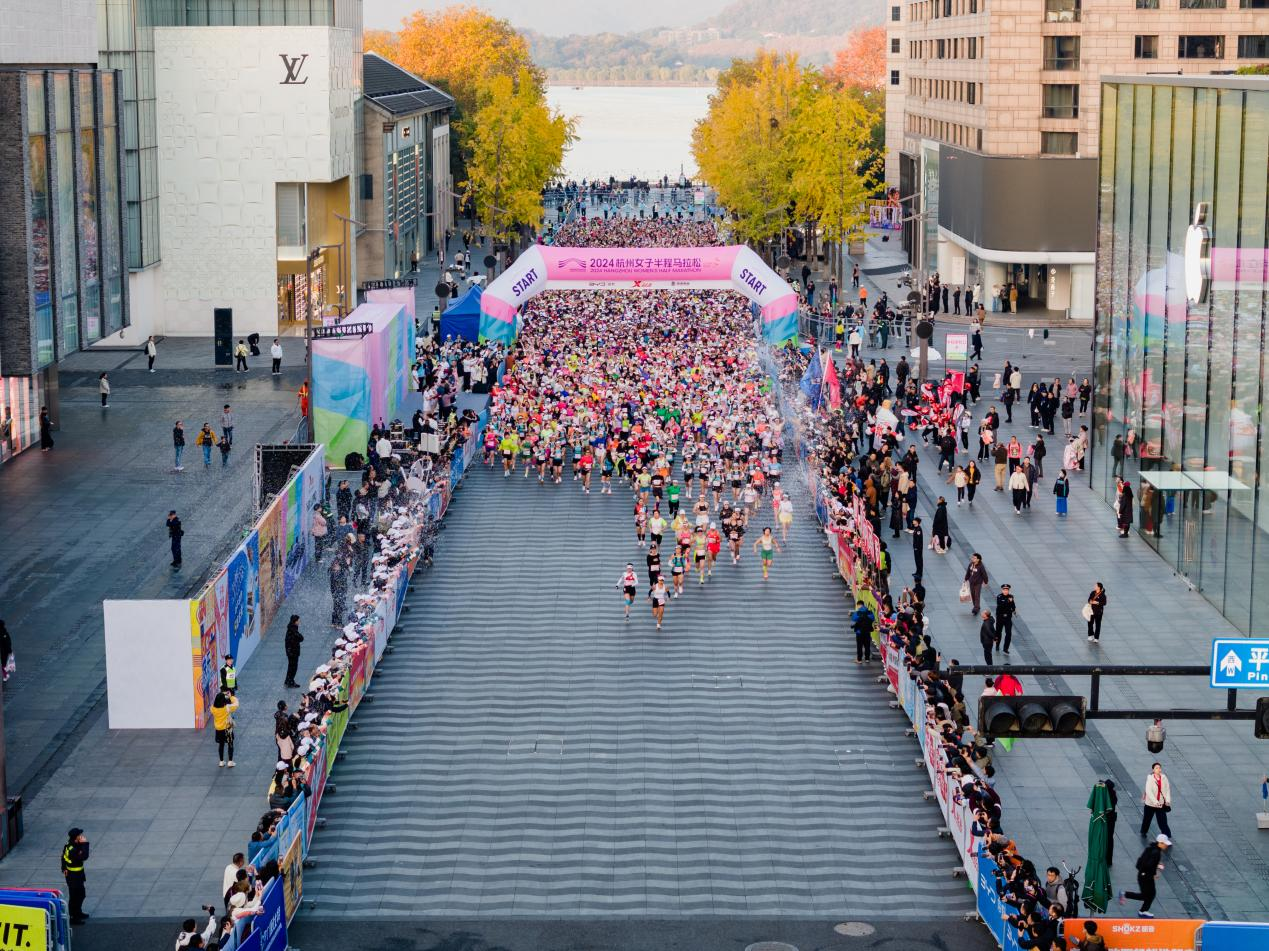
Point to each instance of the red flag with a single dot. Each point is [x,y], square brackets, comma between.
[830,383]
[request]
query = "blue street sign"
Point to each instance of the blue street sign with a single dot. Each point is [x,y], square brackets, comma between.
[1240,663]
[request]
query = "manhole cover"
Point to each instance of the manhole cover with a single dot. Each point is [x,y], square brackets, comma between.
[855,929]
[771,946]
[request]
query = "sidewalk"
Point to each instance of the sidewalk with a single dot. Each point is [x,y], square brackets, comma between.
[85,522]
[1219,867]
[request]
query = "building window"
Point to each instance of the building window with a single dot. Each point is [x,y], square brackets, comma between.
[973,6]
[1061,52]
[894,44]
[894,14]
[1201,47]
[947,8]
[1059,143]
[1202,4]
[1147,47]
[1061,101]
[942,49]
[1253,47]
[972,53]
[1253,4]
[894,77]
[1061,11]
[1147,4]
[971,94]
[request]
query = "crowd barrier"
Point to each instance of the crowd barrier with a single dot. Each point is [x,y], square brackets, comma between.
[376,613]
[34,918]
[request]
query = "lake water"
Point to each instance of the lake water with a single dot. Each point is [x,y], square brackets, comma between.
[645,131]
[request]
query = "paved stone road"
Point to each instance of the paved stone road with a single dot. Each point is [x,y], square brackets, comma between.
[529,754]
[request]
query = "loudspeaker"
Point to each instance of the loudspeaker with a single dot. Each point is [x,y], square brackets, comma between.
[223,328]
[925,329]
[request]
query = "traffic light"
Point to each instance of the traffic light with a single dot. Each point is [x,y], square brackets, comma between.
[1262,718]
[1037,717]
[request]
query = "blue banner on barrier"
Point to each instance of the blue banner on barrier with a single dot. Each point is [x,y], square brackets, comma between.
[269,928]
[1234,936]
[991,907]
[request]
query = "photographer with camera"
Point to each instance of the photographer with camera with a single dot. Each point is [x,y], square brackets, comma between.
[191,937]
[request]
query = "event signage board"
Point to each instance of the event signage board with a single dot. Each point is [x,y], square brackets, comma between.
[23,928]
[1240,663]
[956,347]
[1145,934]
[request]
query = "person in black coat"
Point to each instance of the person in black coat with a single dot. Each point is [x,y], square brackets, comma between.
[293,641]
[942,535]
[987,635]
[918,548]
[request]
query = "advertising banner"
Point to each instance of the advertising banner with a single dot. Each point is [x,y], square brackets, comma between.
[206,649]
[991,908]
[1146,934]
[292,865]
[243,570]
[268,929]
[316,780]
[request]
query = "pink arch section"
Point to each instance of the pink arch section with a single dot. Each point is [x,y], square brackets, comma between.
[542,268]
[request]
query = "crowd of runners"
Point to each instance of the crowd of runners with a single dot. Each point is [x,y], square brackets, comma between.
[659,398]
[629,232]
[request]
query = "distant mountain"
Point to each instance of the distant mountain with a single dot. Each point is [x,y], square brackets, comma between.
[814,29]
[756,19]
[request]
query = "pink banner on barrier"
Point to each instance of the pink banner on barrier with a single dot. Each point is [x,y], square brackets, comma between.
[640,264]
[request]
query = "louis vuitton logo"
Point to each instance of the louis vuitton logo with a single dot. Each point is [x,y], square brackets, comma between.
[293,66]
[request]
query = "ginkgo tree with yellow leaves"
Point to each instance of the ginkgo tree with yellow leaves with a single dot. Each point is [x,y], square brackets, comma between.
[508,142]
[516,145]
[782,143]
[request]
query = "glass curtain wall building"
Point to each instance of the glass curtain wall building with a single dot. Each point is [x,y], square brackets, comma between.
[62,268]
[1181,336]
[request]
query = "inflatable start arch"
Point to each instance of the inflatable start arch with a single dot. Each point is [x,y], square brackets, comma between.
[543,268]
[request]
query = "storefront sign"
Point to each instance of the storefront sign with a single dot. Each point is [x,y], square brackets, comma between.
[388,283]
[294,66]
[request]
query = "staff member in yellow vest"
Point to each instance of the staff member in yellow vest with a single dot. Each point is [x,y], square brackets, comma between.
[228,675]
[73,858]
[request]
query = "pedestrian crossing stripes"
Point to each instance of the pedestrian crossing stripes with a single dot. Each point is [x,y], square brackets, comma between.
[528,753]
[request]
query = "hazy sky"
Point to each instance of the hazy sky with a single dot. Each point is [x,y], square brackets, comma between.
[559,16]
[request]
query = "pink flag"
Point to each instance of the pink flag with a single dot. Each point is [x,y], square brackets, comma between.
[830,383]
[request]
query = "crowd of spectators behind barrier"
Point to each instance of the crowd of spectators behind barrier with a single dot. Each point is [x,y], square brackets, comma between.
[855,452]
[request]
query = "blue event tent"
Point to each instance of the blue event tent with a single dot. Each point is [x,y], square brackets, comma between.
[462,318]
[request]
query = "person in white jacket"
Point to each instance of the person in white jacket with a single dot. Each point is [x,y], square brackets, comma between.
[1157,799]
[189,931]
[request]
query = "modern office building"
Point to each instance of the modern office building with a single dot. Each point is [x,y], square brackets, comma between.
[405,188]
[992,116]
[240,155]
[62,273]
[1181,333]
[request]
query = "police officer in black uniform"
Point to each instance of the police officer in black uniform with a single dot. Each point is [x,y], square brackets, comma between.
[73,858]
